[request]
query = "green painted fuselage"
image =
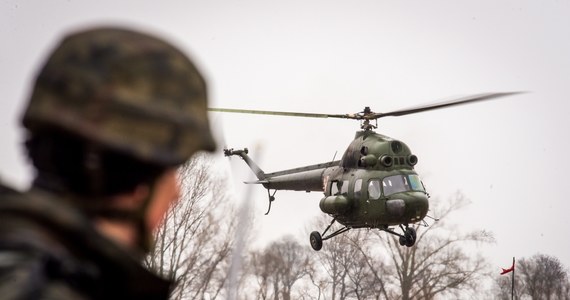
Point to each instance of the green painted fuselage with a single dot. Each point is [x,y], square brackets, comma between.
[374,185]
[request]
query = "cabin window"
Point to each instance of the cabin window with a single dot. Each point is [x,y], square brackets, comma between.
[374,189]
[357,188]
[344,188]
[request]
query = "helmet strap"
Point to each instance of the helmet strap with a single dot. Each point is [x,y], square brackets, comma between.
[136,217]
[144,236]
[93,167]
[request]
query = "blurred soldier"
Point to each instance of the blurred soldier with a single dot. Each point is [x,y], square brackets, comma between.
[112,115]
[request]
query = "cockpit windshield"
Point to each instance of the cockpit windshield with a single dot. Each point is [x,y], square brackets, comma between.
[402,183]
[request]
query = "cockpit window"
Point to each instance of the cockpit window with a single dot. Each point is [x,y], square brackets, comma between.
[416,184]
[395,184]
[401,183]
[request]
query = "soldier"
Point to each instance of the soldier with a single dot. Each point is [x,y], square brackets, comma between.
[112,115]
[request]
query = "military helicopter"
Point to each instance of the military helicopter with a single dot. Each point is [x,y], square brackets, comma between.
[373,185]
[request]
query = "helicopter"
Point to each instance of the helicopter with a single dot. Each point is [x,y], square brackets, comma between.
[373,185]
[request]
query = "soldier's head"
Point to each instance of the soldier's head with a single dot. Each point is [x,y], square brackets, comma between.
[113,112]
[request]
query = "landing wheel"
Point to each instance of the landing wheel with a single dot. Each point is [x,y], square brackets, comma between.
[316,240]
[409,237]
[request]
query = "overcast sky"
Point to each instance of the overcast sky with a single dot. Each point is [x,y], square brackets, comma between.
[509,156]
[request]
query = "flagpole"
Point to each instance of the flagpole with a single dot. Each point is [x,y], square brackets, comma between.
[513,281]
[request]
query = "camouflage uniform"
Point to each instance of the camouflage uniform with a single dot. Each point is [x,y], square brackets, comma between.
[128,92]
[49,252]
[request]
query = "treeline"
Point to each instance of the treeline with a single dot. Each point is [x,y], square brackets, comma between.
[538,277]
[196,248]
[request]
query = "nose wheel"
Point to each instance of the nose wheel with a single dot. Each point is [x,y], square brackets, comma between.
[408,239]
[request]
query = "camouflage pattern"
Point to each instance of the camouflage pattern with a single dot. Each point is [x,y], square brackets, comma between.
[53,252]
[101,85]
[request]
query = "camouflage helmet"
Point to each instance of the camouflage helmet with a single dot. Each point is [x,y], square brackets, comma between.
[128,91]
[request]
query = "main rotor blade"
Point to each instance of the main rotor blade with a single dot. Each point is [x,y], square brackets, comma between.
[433,106]
[280,113]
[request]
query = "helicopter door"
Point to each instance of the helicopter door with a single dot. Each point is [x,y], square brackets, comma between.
[358,189]
[338,188]
[374,202]
[344,188]
[333,188]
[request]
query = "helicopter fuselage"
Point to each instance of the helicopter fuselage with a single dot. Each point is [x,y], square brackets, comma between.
[375,199]
[374,185]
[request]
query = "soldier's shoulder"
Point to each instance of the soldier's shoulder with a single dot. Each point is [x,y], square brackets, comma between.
[30,249]
[21,270]
[8,190]
[9,194]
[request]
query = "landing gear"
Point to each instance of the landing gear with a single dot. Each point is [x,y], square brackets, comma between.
[407,239]
[316,239]
[271,198]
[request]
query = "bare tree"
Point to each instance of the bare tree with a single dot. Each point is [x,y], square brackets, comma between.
[503,288]
[371,264]
[439,263]
[279,267]
[543,277]
[194,242]
[331,258]
[366,272]
[349,268]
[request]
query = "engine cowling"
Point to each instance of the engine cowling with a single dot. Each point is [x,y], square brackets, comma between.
[335,204]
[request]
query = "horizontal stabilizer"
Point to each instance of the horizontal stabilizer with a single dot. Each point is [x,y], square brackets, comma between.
[256,182]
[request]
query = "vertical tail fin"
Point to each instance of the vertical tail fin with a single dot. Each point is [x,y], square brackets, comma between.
[252,165]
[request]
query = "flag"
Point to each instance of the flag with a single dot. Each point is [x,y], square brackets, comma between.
[511,270]
[505,271]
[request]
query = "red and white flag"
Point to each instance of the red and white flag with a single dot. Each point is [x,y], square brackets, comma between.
[509,270]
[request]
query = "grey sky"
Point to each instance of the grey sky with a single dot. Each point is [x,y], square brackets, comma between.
[507,156]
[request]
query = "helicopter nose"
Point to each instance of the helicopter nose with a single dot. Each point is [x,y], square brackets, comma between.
[410,207]
[417,206]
